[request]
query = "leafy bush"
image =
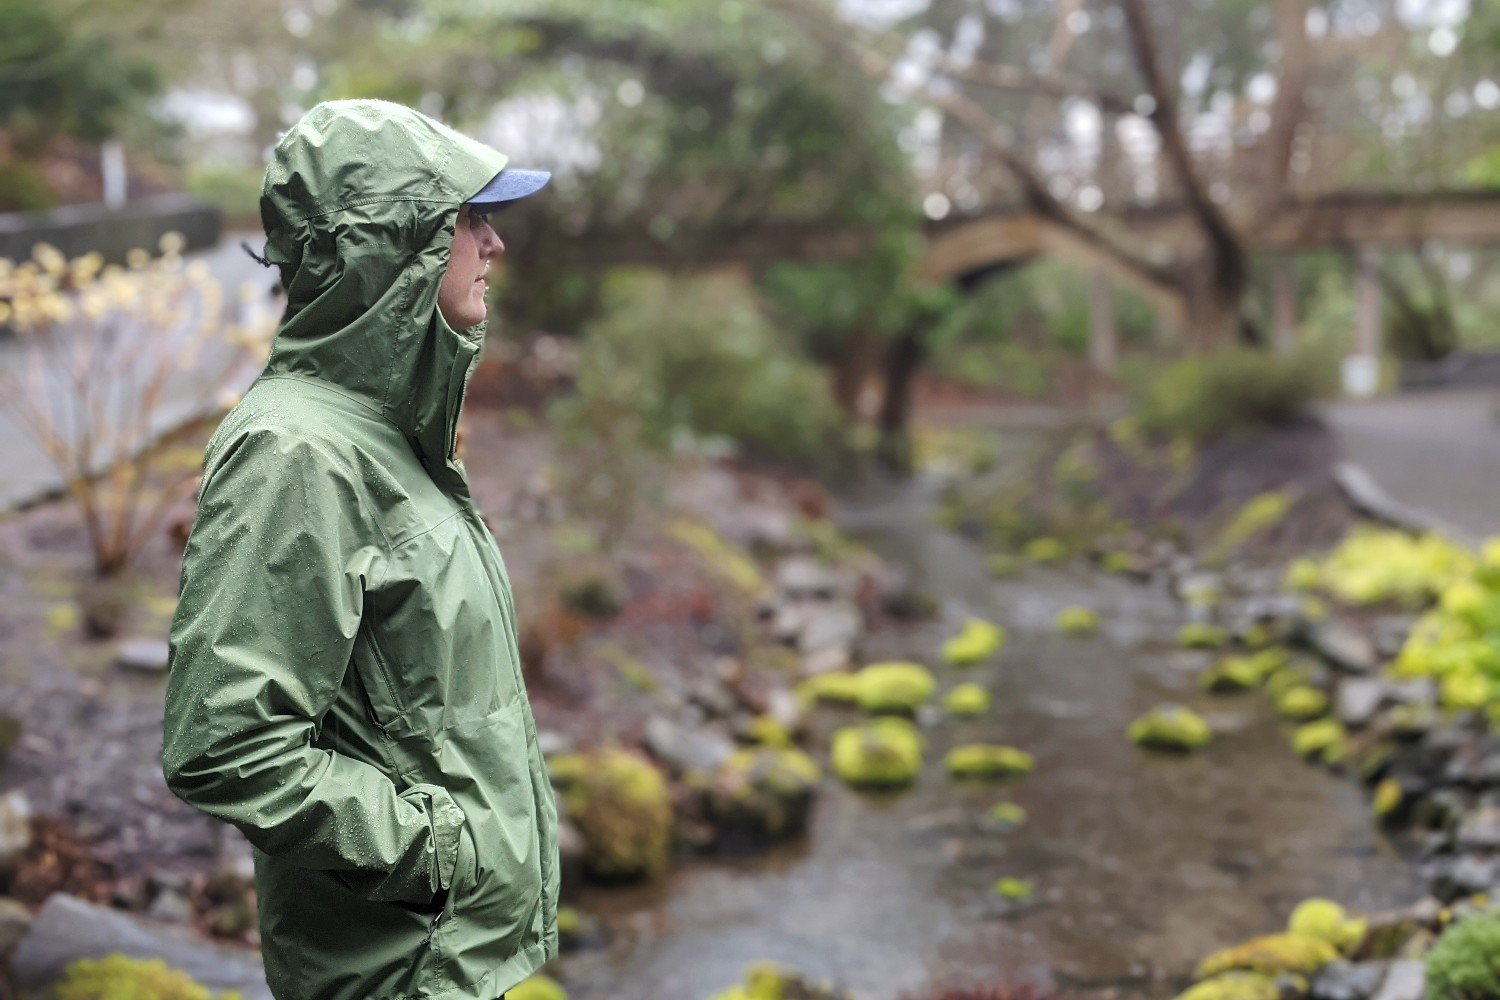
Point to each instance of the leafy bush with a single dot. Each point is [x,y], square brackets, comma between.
[697,355]
[234,190]
[1203,397]
[24,188]
[1465,962]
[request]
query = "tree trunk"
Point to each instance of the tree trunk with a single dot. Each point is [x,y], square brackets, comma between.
[901,365]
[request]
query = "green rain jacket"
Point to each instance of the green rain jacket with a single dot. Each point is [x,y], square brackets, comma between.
[345,685]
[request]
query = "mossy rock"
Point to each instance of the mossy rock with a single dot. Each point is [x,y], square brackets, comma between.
[538,986]
[1117,562]
[1326,919]
[767,730]
[836,686]
[765,792]
[1006,815]
[769,981]
[1017,889]
[1003,564]
[1302,575]
[1197,635]
[620,802]
[1302,703]
[1271,954]
[1046,550]
[120,976]
[1234,986]
[885,752]
[1293,675]
[988,760]
[1231,675]
[1323,739]
[1172,728]
[1077,621]
[1388,799]
[976,642]
[894,687]
[967,699]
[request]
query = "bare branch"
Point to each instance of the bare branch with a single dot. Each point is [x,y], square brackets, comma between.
[1167,120]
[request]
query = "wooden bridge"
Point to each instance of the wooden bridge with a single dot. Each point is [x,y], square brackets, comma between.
[967,248]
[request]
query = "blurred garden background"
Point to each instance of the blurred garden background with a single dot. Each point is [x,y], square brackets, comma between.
[1000,493]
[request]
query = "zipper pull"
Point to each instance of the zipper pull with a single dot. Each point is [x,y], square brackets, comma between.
[433,928]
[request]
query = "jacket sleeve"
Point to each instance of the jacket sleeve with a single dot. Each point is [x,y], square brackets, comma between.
[271,594]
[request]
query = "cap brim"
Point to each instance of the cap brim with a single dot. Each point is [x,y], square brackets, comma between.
[510,184]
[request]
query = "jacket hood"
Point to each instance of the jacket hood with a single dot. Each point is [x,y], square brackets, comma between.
[359,204]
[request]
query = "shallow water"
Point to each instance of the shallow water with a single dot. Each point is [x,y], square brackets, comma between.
[1141,864]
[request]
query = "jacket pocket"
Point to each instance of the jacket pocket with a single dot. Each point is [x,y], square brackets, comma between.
[491,915]
[383,703]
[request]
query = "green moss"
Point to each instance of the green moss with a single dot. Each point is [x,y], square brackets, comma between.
[1012,888]
[766,790]
[967,699]
[1326,919]
[987,760]
[894,687]
[569,921]
[885,752]
[768,731]
[1046,550]
[1077,621]
[1231,674]
[1234,986]
[1117,562]
[1197,635]
[1464,964]
[1007,814]
[728,560]
[1003,564]
[1388,798]
[621,805]
[538,986]
[1170,728]
[838,686]
[1323,739]
[976,642]
[763,981]
[120,977]
[1270,954]
[1302,575]
[1260,513]
[1301,703]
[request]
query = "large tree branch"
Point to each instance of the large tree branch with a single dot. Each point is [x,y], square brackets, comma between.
[837,38]
[1167,120]
[1290,106]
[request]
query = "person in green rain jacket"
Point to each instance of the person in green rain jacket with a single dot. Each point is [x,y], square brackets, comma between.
[345,686]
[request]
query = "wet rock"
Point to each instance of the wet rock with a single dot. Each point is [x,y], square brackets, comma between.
[709,694]
[172,906]
[148,656]
[571,849]
[1358,699]
[1405,980]
[68,928]
[830,659]
[1474,765]
[683,749]
[15,921]
[15,829]
[763,793]
[1345,647]
[1480,830]
[803,578]
[1390,633]
[1455,877]
[553,741]
[836,625]
[1416,691]
[1342,980]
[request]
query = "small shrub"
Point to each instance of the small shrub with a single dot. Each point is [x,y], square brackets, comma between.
[1464,964]
[1203,397]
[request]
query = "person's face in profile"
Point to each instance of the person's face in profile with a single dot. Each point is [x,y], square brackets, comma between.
[461,294]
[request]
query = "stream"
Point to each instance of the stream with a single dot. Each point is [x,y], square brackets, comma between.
[1141,864]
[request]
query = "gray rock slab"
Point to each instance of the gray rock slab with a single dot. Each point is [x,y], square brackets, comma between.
[69,928]
[1406,980]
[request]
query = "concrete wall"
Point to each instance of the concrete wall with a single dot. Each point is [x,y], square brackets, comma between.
[77,229]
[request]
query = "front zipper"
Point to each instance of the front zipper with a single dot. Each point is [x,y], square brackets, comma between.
[432,928]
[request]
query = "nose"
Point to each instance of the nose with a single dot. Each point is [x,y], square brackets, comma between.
[490,242]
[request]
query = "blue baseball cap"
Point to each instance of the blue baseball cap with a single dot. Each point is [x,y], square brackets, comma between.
[508,185]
